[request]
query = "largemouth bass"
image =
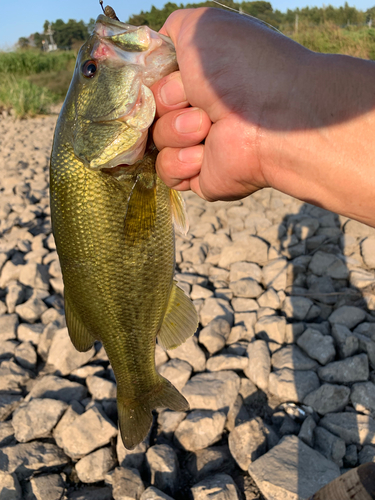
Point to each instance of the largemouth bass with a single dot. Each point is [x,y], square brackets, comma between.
[113,217]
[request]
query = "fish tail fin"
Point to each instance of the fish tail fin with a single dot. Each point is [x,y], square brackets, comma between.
[135,421]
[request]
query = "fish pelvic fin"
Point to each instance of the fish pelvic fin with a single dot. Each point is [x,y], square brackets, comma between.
[180,320]
[135,420]
[179,215]
[79,335]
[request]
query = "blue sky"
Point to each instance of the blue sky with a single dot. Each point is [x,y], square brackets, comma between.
[23,17]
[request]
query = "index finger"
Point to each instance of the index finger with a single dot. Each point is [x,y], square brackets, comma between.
[169,94]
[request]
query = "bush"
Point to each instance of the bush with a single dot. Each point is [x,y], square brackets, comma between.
[27,62]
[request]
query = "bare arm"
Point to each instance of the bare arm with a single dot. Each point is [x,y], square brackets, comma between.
[272,114]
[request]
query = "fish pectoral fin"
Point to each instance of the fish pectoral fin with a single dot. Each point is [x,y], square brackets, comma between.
[135,420]
[80,337]
[179,211]
[141,212]
[180,320]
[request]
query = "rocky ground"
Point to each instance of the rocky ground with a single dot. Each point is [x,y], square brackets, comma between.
[280,375]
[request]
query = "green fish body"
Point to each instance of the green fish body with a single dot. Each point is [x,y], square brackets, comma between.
[113,219]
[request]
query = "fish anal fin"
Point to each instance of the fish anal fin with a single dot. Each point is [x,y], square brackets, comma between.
[141,212]
[80,337]
[179,211]
[180,320]
[135,419]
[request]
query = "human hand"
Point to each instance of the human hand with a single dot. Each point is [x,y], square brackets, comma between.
[228,69]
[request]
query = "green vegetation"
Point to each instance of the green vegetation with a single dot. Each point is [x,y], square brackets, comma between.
[25,98]
[30,80]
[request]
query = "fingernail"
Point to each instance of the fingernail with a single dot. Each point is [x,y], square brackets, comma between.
[189,122]
[173,92]
[191,155]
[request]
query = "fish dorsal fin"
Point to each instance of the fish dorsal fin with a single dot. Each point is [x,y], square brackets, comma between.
[141,212]
[179,212]
[80,337]
[180,320]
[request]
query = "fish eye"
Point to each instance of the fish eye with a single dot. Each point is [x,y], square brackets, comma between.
[89,69]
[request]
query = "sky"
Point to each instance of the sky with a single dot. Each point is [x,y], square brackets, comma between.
[23,17]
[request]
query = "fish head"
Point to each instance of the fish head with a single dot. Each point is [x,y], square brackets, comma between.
[109,106]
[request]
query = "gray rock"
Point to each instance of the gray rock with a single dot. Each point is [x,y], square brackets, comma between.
[8,403]
[240,270]
[87,432]
[328,398]
[275,274]
[37,418]
[30,333]
[212,391]
[353,369]
[34,275]
[368,346]
[63,356]
[152,493]
[27,458]
[359,278]
[190,352]
[348,316]
[246,287]
[367,329]
[53,387]
[368,251]
[329,445]
[126,484]
[347,343]
[247,442]
[95,466]
[306,228]
[306,434]
[251,250]
[289,426]
[169,421]
[362,397]
[51,486]
[8,326]
[216,309]
[214,335]
[351,455]
[328,264]
[237,414]
[25,355]
[289,385]
[271,328]
[101,388]
[297,308]
[92,493]
[9,272]
[6,433]
[10,488]
[15,295]
[218,487]
[244,305]
[13,377]
[353,428]
[131,459]
[317,346]
[31,310]
[195,254]
[293,331]
[209,461]
[226,362]
[270,298]
[292,357]
[200,429]
[73,411]
[163,467]
[259,364]
[176,371]
[7,349]
[357,229]
[367,454]
[200,292]
[292,470]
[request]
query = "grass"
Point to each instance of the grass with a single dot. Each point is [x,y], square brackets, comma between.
[27,62]
[30,80]
[356,41]
[24,97]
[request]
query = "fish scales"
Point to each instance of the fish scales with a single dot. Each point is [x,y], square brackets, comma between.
[113,225]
